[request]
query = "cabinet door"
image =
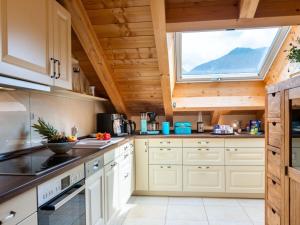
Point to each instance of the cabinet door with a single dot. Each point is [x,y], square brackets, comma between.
[25,41]
[165,178]
[31,220]
[125,180]
[94,196]
[203,156]
[245,179]
[203,142]
[165,156]
[203,179]
[245,142]
[111,190]
[141,163]
[165,142]
[62,46]
[245,156]
[132,166]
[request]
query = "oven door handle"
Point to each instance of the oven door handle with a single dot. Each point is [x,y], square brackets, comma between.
[57,205]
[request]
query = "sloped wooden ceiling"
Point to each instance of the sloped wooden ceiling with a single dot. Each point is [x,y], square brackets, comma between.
[125,31]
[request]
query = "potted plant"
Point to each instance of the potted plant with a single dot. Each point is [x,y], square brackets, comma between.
[55,141]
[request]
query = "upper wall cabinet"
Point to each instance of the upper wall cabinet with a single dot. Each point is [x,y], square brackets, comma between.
[35,41]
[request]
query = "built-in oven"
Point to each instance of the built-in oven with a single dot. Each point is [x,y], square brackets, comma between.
[61,200]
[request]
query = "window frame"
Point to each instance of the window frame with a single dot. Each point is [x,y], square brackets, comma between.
[270,57]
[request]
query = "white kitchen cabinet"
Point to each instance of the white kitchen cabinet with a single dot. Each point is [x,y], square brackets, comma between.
[245,156]
[165,156]
[132,166]
[31,220]
[111,190]
[245,179]
[124,180]
[203,179]
[203,142]
[244,142]
[203,156]
[18,208]
[33,34]
[61,20]
[165,178]
[94,196]
[141,164]
[165,142]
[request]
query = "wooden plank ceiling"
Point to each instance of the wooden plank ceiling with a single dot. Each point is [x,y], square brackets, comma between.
[125,32]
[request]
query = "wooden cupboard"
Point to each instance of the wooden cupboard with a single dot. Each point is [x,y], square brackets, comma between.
[94,198]
[35,42]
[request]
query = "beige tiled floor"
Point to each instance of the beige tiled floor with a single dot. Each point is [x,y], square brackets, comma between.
[192,211]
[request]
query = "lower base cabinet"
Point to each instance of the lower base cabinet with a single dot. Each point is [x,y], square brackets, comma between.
[245,179]
[94,198]
[165,178]
[31,220]
[203,179]
[125,181]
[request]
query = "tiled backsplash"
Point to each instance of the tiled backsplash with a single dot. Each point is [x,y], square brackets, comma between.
[20,109]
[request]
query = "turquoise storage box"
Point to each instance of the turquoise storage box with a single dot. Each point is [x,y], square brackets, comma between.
[183,128]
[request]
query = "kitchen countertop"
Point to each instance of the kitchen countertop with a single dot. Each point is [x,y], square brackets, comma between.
[11,186]
[201,135]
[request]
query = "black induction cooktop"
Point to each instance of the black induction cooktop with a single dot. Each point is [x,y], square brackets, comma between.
[34,163]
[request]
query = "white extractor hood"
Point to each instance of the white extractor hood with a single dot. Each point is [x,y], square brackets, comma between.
[7,82]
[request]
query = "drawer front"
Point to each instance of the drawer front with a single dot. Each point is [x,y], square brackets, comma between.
[274,192]
[244,143]
[31,220]
[203,142]
[23,206]
[245,179]
[274,137]
[111,155]
[274,105]
[203,179]
[203,156]
[274,164]
[165,178]
[165,155]
[125,149]
[273,216]
[165,142]
[244,156]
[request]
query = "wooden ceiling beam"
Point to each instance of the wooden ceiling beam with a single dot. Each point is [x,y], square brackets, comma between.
[233,23]
[160,34]
[88,39]
[248,9]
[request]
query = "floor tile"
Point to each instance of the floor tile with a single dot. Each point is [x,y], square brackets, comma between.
[147,211]
[230,223]
[256,213]
[226,213]
[251,202]
[185,222]
[220,202]
[186,212]
[143,222]
[185,201]
[149,200]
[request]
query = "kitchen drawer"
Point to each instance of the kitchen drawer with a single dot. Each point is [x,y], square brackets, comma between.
[244,156]
[203,156]
[31,220]
[203,142]
[245,179]
[165,142]
[273,216]
[274,137]
[274,192]
[203,179]
[244,143]
[18,208]
[165,156]
[111,155]
[125,149]
[165,178]
[274,163]
[274,105]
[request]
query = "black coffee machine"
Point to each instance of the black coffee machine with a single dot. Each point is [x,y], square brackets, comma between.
[111,123]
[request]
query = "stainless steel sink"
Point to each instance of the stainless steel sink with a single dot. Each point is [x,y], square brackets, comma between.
[98,144]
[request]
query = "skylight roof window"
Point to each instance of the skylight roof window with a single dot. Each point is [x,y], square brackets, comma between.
[227,54]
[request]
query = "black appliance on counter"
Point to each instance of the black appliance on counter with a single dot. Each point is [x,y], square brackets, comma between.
[111,123]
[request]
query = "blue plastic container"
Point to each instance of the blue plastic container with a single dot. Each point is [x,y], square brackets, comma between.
[165,128]
[183,128]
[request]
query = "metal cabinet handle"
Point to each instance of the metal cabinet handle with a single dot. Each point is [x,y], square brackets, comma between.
[54,68]
[161,167]
[161,149]
[11,215]
[227,149]
[199,167]
[113,165]
[235,149]
[169,149]
[169,167]
[58,69]
[207,149]
[126,175]
[207,167]
[125,156]
[199,142]
[199,149]
[169,142]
